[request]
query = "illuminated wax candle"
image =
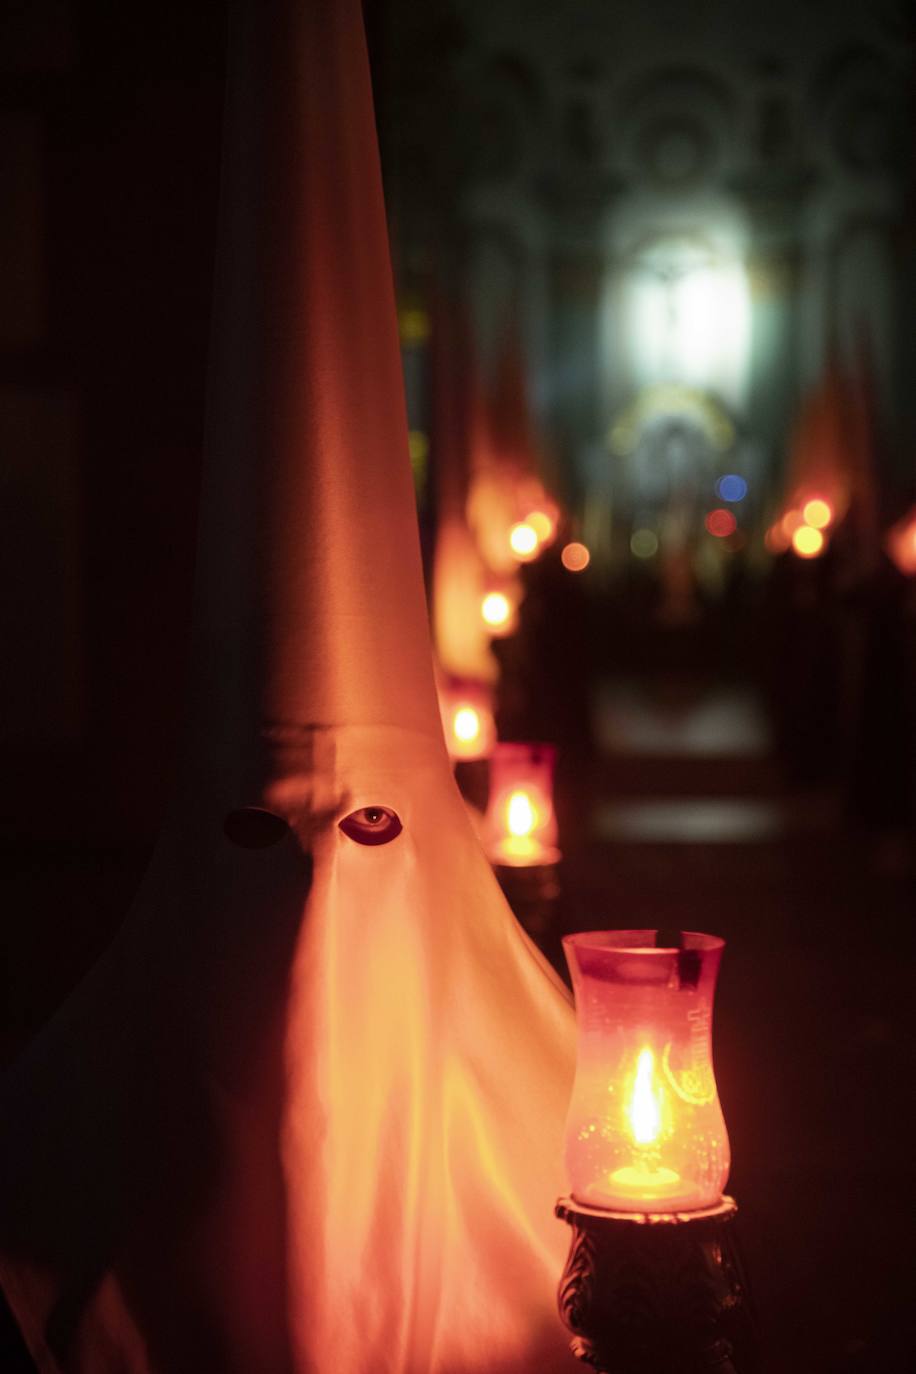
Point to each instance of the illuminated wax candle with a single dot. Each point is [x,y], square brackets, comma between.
[520,821]
[645,1131]
[467,719]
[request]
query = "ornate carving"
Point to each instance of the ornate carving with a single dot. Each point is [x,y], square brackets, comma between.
[575,1293]
[658,1294]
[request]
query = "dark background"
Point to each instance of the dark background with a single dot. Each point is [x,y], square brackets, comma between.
[109,155]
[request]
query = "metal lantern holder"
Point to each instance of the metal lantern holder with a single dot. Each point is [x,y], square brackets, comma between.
[657,1293]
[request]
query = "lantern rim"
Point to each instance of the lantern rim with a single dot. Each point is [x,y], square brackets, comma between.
[640,941]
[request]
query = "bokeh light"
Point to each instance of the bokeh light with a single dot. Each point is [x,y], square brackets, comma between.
[543,525]
[817,513]
[575,557]
[776,539]
[731,487]
[720,523]
[524,541]
[900,544]
[790,522]
[521,814]
[466,724]
[644,544]
[496,609]
[807,541]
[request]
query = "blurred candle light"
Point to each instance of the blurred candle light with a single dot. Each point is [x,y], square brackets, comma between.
[520,822]
[575,557]
[776,539]
[790,522]
[543,524]
[901,544]
[807,542]
[467,719]
[645,1131]
[524,541]
[498,613]
[817,513]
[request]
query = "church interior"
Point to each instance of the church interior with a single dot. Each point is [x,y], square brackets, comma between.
[652,268]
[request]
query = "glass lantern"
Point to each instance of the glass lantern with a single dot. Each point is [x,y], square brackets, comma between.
[467,719]
[521,826]
[645,1132]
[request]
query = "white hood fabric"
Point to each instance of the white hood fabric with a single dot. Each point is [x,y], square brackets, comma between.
[306,1116]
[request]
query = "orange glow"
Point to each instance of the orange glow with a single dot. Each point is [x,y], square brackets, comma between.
[544,525]
[790,522]
[496,609]
[645,1130]
[521,814]
[817,513]
[807,542]
[524,542]
[575,557]
[776,539]
[644,1108]
[720,523]
[466,725]
[901,544]
[467,719]
[521,826]
[458,583]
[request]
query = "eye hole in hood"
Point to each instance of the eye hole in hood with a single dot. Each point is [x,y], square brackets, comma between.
[254,828]
[372,825]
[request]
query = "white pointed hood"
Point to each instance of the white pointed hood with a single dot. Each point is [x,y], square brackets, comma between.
[306,1115]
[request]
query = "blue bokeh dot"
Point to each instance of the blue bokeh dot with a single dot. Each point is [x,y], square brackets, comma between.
[731,487]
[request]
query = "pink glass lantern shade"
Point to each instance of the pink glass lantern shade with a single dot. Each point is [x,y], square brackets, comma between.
[645,1131]
[467,719]
[521,825]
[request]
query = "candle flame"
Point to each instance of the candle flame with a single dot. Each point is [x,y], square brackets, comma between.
[817,513]
[466,725]
[521,815]
[543,525]
[495,608]
[644,1108]
[807,542]
[523,540]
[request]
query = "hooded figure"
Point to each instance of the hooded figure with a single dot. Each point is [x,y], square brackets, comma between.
[306,1115]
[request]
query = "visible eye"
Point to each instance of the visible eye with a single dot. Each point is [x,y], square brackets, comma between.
[372,825]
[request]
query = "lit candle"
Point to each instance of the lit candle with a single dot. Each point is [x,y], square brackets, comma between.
[521,826]
[645,1130]
[467,719]
[524,541]
[499,613]
[544,525]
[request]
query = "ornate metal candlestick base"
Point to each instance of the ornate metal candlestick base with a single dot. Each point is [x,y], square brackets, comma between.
[656,1293]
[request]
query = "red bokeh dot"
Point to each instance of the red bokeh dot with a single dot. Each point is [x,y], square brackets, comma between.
[721,523]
